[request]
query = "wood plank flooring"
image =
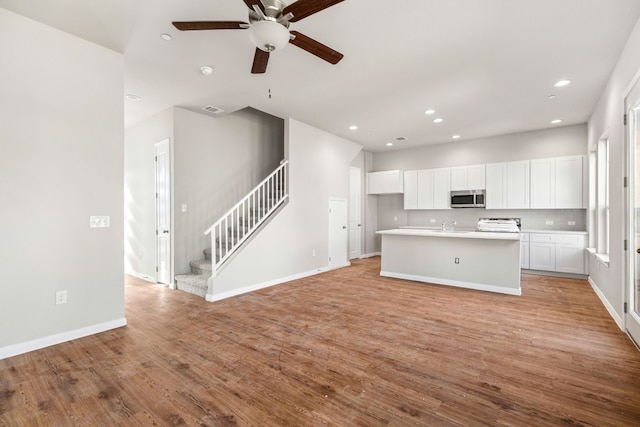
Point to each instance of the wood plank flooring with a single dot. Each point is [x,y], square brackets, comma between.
[344,348]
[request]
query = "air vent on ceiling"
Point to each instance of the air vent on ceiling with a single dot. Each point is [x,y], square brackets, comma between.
[400,138]
[213,110]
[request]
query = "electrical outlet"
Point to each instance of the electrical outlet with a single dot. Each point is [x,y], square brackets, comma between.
[184,207]
[549,222]
[395,218]
[99,221]
[61,297]
[313,252]
[571,223]
[457,261]
[432,221]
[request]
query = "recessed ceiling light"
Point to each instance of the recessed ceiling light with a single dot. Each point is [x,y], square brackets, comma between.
[132,97]
[429,112]
[353,127]
[562,83]
[438,120]
[166,36]
[389,144]
[556,121]
[456,137]
[206,70]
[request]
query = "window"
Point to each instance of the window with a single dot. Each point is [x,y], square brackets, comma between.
[599,204]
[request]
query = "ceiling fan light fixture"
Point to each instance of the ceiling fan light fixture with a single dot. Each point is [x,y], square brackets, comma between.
[268,35]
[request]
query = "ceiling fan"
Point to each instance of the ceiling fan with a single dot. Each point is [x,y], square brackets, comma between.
[269,29]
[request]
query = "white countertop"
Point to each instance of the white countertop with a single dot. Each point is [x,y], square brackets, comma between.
[553,232]
[459,234]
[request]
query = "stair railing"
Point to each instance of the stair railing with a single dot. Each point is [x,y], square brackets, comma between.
[242,220]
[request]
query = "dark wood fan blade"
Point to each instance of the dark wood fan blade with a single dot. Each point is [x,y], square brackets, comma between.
[260,61]
[209,25]
[250,4]
[303,8]
[315,48]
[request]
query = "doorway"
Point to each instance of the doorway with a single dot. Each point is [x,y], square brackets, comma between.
[338,236]
[163,211]
[355,213]
[632,291]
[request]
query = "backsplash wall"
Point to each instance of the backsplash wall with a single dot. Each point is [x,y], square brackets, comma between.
[391,214]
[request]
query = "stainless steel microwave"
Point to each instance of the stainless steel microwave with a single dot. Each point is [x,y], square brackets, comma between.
[468,199]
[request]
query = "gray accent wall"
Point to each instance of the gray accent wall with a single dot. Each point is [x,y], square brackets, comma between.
[539,144]
[62,107]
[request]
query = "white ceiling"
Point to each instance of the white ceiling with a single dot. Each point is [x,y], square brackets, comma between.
[486,66]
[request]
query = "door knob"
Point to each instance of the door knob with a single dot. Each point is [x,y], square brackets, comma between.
[344,227]
[638,250]
[165,231]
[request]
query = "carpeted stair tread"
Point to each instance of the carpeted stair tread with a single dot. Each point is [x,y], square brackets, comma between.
[202,266]
[193,283]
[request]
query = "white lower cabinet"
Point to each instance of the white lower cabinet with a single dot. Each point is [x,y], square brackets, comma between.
[559,252]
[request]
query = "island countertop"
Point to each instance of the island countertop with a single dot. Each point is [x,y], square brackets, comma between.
[459,234]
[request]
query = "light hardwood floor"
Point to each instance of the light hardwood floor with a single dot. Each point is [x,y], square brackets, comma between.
[344,348]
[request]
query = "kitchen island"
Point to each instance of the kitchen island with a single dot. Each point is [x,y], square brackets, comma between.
[487,261]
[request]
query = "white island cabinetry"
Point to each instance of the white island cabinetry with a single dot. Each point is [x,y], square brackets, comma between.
[477,260]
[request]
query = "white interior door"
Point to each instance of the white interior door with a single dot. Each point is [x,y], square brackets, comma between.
[632,315]
[338,236]
[163,211]
[355,214]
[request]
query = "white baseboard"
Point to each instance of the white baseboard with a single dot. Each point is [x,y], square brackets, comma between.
[141,276]
[25,347]
[456,283]
[607,304]
[251,288]
[372,254]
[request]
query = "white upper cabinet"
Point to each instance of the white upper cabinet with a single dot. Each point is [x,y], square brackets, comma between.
[468,178]
[557,183]
[543,184]
[411,190]
[569,182]
[518,185]
[442,188]
[496,188]
[386,182]
[425,189]
[507,185]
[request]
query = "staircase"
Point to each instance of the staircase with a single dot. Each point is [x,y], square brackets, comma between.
[234,228]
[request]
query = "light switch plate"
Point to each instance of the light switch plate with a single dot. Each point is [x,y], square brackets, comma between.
[99,221]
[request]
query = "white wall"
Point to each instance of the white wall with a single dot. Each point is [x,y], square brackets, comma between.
[61,109]
[139,193]
[607,117]
[318,169]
